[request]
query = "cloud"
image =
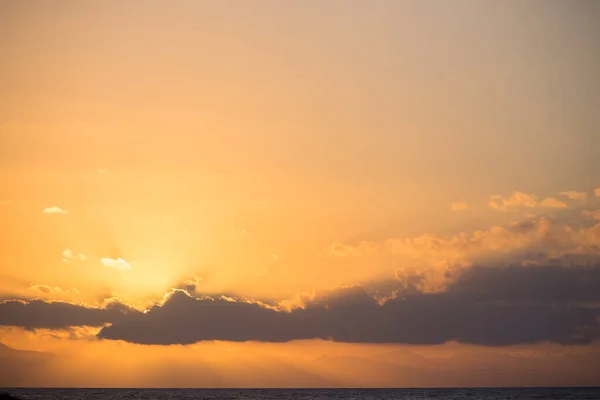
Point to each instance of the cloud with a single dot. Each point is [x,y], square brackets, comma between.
[341,250]
[67,255]
[553,203]
[60,315]
[573,195]
[597,192]
[518,284]
[592,214]
[51,290]
[459,206]
[55,210]
[2,202]
[486,306]
[117,263]
[45,289]
[516,200]
[492,306]
[191,285]
[572,239]
[529,281]
[519,200]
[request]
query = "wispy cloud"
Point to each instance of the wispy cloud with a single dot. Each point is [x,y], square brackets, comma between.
[459,206]
[515,200]
[597,192]
[553,203]
[67,255]
[46,289]
[519,200]
[5,202]
[192,284]
[117,263]
[566,241]
[592,214]
[573,195]
[342,250]
[55,210]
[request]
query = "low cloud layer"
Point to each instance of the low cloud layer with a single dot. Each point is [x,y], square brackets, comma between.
[60,315]
[487,306]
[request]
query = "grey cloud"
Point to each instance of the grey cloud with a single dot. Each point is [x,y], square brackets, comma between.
[184,319]
[59,315]
[535,283]
[487,306]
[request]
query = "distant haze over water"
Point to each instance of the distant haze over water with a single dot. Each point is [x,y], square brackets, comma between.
[310,394]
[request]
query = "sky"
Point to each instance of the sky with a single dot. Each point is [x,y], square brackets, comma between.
[299,193]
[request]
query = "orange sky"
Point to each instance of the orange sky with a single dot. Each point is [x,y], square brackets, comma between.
[299,163]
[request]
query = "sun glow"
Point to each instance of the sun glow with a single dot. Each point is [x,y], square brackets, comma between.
[299,193]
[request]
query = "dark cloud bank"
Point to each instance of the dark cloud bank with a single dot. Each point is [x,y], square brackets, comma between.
[59,315]
[487,306]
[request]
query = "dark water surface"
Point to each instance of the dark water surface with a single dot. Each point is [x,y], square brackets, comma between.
[305,394]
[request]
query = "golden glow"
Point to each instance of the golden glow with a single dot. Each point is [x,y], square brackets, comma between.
[312,363]
[276,150]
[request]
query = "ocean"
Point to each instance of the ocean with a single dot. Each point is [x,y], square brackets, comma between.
[305,394]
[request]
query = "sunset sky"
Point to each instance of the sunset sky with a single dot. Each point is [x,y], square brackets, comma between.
[299,193]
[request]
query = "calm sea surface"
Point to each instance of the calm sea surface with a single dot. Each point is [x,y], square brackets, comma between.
[307,394]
